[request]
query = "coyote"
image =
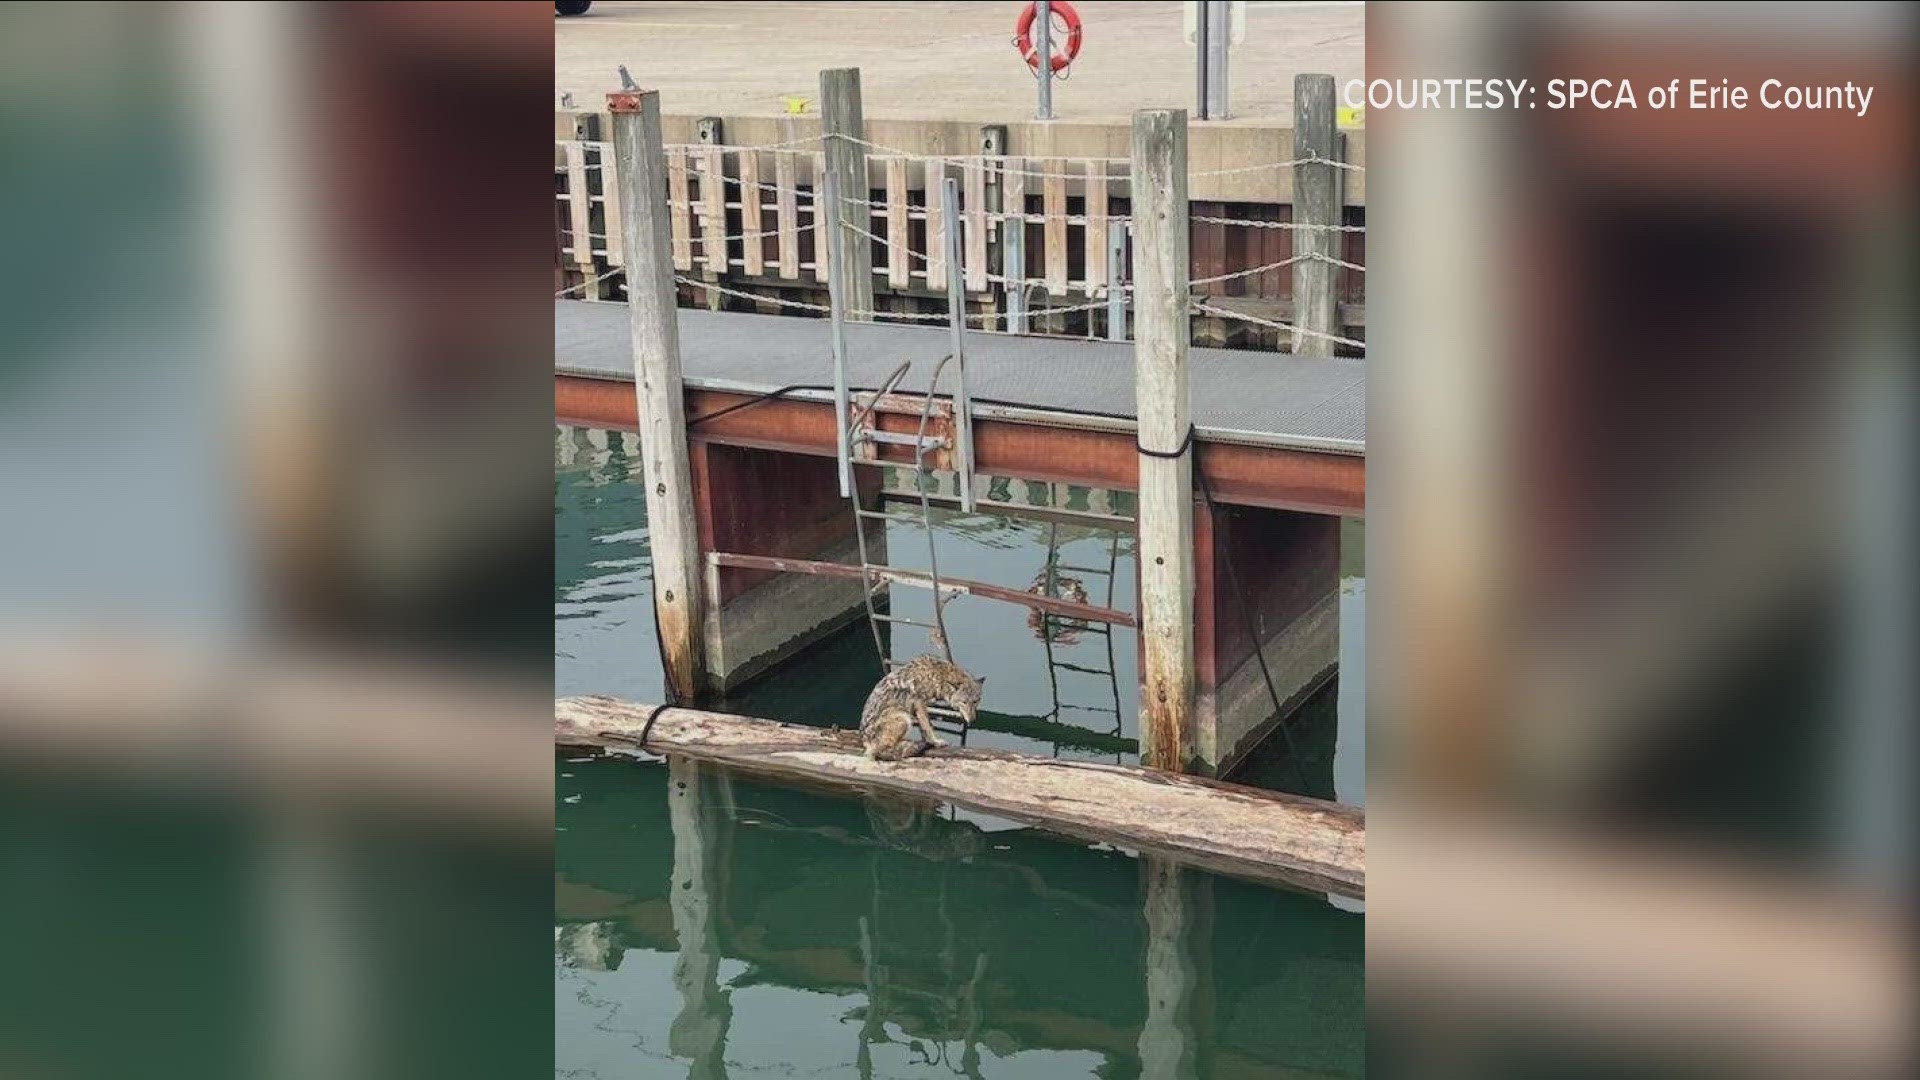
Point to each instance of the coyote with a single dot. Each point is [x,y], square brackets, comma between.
[899,703]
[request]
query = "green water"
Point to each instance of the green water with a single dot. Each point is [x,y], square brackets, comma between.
[711,925]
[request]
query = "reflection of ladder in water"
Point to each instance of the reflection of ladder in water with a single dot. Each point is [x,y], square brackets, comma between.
[1050,627]
[864,439]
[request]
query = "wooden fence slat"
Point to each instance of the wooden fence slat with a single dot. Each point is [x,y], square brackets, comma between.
[713,202]
[936,188]
[787,212]
[580,209]
[1054,201]
[610,206]
[897,276]
[976,238]
[820,217]
[1095,244]
[1276,245]
[679,209]
[753,247]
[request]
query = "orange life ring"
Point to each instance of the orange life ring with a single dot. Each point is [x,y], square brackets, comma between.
[1023,35]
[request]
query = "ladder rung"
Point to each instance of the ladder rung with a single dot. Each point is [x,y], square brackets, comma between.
[903,619]
[909,519]
[1101,570]
[917,580]
[1088,626]
[901,438]
[1062,664]
[1092,708]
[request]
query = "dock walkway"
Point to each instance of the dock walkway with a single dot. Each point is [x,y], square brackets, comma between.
[1240,397]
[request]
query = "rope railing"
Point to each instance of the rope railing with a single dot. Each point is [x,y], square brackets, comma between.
[870,209]
[1253,270]
[909,316]
[576,287]
[762,234]
[1289,226]
[1199,308]
[1310,159]
[682,279]
[986,317]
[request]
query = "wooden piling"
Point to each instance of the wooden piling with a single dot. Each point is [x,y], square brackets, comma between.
[1160,392]
[1316,207]
[841,115]
[672,527]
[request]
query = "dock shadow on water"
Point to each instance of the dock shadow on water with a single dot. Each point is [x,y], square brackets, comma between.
[709,924]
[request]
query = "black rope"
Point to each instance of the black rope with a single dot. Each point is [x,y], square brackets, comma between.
[1179,451]
[757,399]
[646,727]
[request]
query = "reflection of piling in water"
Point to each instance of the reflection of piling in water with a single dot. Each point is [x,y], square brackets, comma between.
[700,1030]
[1177,904]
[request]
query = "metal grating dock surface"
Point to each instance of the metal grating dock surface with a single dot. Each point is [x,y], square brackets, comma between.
[1255,398]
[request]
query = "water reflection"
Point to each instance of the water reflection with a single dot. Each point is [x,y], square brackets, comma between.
[793,933]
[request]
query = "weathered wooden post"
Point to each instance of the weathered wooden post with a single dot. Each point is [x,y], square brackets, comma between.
[673,530]
[1166,458]
[1316,209]
[842,122]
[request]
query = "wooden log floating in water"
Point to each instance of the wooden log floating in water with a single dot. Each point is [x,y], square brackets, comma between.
[1244,832]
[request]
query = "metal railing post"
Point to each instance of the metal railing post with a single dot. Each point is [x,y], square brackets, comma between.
[957,320]
[1219,23]
[1043,47]
[1201,30]
[837,315]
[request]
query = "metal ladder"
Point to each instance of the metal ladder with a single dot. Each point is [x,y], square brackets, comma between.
[1050,627]
[862,439]
[863,431]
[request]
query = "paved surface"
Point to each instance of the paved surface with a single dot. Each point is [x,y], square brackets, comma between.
[1255,398]
[947,61]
